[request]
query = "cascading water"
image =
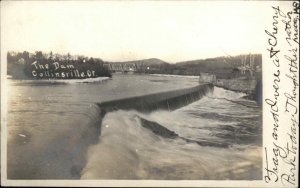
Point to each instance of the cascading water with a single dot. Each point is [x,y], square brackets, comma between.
[54,133]
[129,149]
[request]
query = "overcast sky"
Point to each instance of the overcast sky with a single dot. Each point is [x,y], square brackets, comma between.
[120,31]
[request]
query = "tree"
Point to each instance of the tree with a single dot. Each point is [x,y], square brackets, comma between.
[25,56]
[10,57]
[39,55]
[51,55]
[68,57]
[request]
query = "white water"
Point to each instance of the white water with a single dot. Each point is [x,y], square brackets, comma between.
[50,125]
[52,133]
[127,150]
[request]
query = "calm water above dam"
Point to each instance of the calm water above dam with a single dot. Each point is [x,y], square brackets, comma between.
[53,133]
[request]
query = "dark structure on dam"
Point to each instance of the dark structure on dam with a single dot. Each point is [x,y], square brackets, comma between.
[169,100]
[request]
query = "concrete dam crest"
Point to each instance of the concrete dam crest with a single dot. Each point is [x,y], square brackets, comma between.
[169,100]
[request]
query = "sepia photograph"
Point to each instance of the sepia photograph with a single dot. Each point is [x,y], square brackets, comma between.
[104,91]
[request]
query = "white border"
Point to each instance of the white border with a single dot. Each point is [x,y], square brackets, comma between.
[111,183]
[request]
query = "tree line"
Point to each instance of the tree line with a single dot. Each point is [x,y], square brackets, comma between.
[46,62]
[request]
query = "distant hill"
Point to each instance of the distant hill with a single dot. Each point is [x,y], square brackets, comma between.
[222,67]
[223,61]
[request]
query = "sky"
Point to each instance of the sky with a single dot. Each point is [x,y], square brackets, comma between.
[120,31]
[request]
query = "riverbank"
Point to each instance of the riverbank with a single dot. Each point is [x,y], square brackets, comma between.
[55,71]
[251,86]
[64,81]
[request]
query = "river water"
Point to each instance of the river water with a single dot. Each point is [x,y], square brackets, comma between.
[53,133]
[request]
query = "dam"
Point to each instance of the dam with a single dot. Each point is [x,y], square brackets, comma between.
[149,125]
[168,100]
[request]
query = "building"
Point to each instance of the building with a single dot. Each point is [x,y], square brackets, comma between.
[207,78]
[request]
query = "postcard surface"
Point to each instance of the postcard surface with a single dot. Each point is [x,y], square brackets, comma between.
[150,93]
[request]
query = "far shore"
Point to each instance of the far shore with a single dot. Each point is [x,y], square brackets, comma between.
[66,81]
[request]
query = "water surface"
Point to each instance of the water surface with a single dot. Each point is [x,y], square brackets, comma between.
[53,133]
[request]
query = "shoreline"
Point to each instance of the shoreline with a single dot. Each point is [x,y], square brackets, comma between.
[66,81]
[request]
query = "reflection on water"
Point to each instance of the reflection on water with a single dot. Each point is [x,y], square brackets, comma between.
[53,133]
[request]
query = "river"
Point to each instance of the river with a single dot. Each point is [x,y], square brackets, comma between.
[52,132]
